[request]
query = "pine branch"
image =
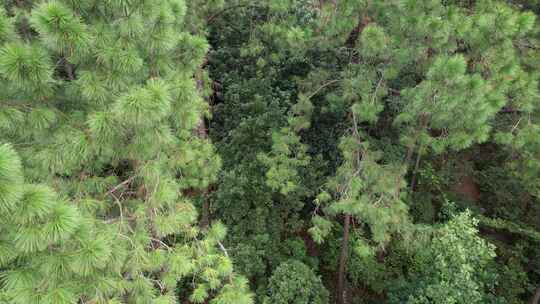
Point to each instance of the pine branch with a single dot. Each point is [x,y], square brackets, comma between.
[127,181]
[223,248]
[227,255]
[322,87]
[161,243]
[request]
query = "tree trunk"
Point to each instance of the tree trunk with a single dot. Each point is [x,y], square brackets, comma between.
[409,155]
[415,171]
[536,298]
[356,32]
[205,216]
[342,267]
[69,70]
[202,132]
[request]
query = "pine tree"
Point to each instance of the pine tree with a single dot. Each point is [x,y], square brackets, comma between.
[101,100]
[49,252]
[421,66]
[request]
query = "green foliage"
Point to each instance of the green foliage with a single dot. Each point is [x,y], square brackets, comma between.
[453,267]
[101,100]
[434,103]
[295,282]
[334,138]
[339,99]
[11,178]
[369,191]
[287,155]
[27,67]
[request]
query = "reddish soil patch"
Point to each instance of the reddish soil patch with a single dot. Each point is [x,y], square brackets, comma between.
[468,187]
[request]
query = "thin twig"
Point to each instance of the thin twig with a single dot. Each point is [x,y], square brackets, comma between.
[127,181]
[119,207]
[516,125]
[227,255]
[322,87]
[376,89]
[161,242]
[126,237]
[223,249]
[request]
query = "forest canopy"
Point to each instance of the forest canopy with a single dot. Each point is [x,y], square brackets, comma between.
[269,152]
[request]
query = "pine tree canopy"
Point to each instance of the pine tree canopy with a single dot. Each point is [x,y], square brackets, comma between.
[278,151]
[101,99]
